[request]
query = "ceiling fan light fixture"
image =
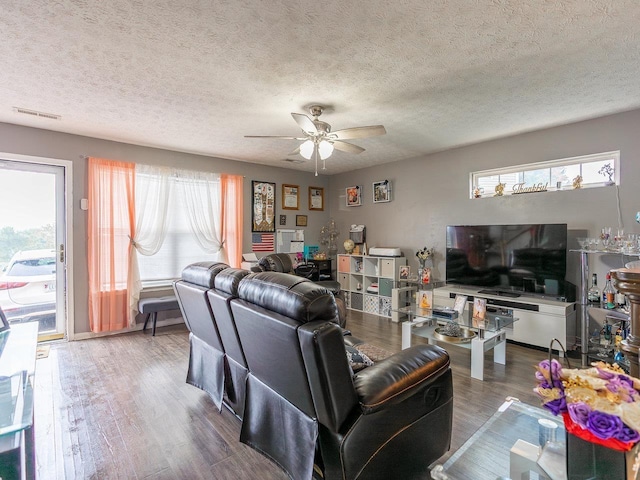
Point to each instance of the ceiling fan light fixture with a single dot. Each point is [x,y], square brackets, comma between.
[326,149]
[306,149]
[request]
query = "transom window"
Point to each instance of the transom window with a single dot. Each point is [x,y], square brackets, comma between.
[597,170]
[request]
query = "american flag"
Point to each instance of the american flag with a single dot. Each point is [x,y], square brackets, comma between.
[262,242]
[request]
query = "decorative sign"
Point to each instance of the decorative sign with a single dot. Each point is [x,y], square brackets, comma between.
[520,188]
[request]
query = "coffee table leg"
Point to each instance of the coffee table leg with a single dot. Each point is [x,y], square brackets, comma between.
[406,335]
[500,351]
[477,358]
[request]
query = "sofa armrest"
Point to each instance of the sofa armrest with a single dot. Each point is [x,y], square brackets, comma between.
[396,378]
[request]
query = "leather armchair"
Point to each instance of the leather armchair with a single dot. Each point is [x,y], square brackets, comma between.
[304,406]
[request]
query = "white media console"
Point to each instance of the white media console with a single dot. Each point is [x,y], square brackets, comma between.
[539,319]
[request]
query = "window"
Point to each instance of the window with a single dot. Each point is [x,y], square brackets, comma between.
[180,246]
[596,170]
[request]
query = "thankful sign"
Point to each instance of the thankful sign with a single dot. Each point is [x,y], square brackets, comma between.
[519,188]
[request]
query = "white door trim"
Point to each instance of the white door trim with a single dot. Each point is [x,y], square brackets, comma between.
[68,205]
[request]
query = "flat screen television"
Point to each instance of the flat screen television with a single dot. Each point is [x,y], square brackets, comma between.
[509,259]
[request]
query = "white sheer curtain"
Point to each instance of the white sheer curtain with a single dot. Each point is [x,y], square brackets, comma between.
[153,191]
[202,194]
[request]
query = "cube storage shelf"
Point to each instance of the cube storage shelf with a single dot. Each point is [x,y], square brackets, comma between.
[358,276]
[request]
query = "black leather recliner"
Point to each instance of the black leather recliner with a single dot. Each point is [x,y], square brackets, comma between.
[206,352]
[281,262]
[304,405]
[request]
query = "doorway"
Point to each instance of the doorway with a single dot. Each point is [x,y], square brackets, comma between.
[33,246]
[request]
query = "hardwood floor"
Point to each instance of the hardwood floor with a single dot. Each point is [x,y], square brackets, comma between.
[118,407]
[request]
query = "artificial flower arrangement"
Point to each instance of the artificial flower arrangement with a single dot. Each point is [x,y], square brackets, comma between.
[424,253]
[600,404]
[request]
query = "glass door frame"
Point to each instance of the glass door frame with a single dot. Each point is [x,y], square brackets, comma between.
[64,237]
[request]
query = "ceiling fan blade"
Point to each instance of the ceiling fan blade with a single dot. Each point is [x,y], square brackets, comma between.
[347,147]
[304,123]
[282,137]
[358,132]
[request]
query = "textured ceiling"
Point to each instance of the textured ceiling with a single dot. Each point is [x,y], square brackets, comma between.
[196,76]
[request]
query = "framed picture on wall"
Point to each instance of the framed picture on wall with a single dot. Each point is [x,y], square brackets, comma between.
[316,198]
[263,206]
[354,196]
[382,191]
[301,220]
[283,219]
[290,197]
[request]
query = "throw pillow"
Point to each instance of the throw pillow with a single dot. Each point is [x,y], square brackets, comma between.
[357,359]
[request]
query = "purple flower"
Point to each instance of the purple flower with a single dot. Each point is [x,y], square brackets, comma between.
[556,406]
[579,413]
[623,387]
[542,374]
[603,425]
[628,434]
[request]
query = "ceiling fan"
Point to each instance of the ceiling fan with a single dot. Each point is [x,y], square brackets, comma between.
[320,141]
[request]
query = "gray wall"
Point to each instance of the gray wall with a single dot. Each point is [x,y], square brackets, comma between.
[43,143]
[432,192]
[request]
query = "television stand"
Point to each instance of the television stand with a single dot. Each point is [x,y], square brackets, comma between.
[501,293]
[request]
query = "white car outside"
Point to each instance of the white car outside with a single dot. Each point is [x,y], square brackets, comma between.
[28,285]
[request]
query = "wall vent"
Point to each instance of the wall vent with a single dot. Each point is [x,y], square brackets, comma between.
[34,113]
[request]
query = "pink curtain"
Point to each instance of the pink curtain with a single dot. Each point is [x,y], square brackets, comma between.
[232,210]
[111,226]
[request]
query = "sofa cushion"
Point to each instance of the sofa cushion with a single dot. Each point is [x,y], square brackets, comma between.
[203,273]
[289,295]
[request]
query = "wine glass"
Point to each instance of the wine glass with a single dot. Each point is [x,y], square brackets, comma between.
[583,242]
[605,236]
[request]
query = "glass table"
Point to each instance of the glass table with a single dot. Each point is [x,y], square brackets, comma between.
[508,446]
[17,371]
[478,337]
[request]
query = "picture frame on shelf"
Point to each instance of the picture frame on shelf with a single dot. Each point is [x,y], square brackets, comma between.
[290,197]
[424,299]
[354,196]
[459,304]
[382,191]
[263,206]
[479,311]
[404,272]
[301,220]
[316,198]
[425,275]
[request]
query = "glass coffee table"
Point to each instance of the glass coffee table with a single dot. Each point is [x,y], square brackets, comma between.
[478,337]
[509,446]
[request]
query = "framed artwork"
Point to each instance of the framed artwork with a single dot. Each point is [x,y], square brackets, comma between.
[290,197]
[479,311]
[283,219]
[424,299]
[301,220]
[316,198]
[459,303]
[263,206]
[354,196]
[404,272]
[382,191]
[425,275]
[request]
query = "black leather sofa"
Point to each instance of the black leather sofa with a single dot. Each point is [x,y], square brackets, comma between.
[285,373]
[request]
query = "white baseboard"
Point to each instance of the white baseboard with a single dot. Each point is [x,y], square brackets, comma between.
[138,326]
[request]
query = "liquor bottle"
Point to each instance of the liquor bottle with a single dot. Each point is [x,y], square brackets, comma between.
[608,294]
[593,295]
